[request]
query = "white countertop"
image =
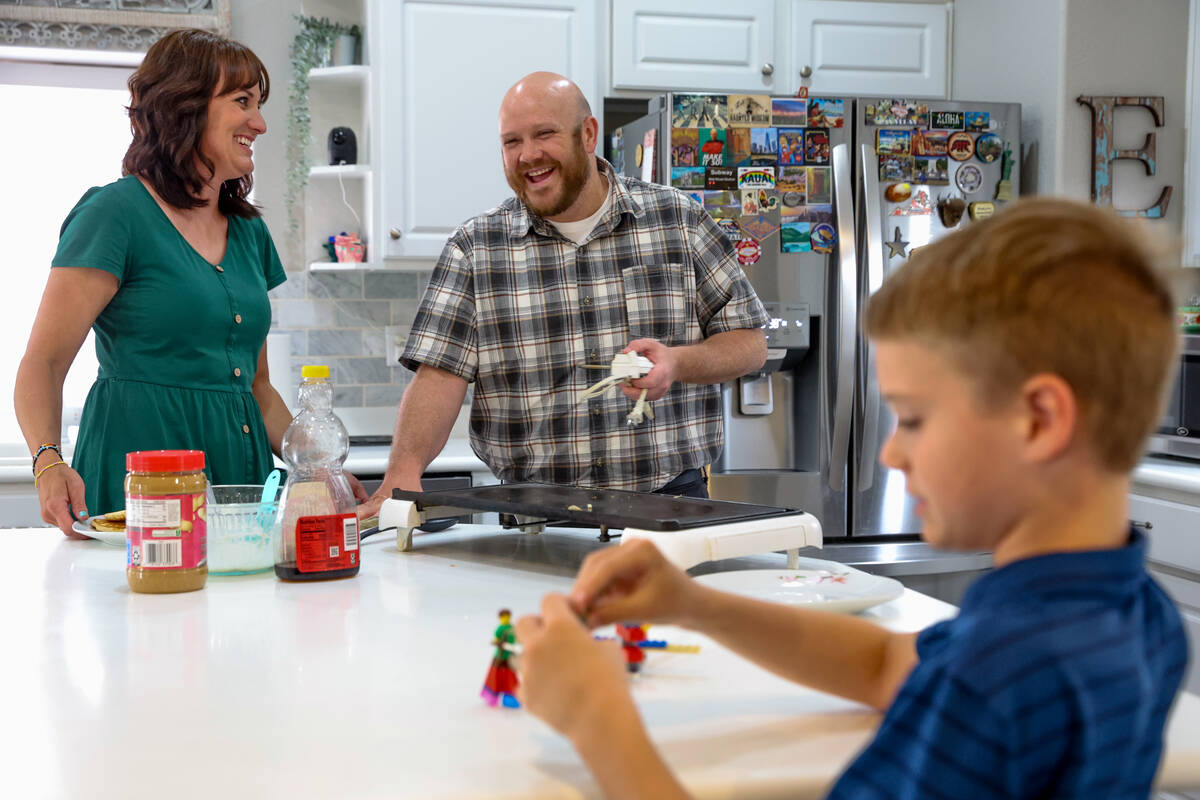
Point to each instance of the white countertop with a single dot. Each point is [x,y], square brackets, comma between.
[369,687]
[1167,473]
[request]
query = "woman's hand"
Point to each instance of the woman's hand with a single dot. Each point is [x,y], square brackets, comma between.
[60,489]
[634,582]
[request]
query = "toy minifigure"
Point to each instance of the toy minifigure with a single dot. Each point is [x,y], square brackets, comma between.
[634,643]
[500,686]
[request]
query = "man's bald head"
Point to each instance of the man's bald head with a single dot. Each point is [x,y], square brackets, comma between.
[550,91]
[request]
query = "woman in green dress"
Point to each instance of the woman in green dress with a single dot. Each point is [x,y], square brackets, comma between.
[170,265]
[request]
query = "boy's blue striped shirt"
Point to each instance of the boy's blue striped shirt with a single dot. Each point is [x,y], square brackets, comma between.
[1054,680]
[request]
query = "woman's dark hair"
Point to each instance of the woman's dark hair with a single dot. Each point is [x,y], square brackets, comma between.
[168,111]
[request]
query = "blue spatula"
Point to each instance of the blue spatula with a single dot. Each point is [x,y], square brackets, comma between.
[264,516]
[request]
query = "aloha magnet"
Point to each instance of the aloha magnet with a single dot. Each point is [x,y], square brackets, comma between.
[748,251]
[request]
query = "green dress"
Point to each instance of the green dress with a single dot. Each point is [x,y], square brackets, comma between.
[177,345]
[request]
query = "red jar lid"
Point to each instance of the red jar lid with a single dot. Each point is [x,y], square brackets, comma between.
[165,461]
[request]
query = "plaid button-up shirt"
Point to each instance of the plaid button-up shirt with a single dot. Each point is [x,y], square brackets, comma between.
[518,309]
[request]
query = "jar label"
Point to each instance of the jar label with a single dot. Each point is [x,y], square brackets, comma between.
[326,542]
[165,531]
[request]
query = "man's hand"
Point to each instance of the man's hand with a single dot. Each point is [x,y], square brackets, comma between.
[633,582]
[567,677]
[356,487]
[657,381]
[370,505]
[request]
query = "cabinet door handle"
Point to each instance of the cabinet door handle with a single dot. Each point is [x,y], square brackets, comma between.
[1147,525]
[394,233]
[768,69]
[806,71]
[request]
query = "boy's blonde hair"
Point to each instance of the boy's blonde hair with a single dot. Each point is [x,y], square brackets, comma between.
[1048,285]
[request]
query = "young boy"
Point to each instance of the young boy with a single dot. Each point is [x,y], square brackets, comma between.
[1025,358]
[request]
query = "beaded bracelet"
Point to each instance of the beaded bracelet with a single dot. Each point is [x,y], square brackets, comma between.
[38,474]
[41,450]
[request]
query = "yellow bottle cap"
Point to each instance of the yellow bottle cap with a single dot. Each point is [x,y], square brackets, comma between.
[314,371]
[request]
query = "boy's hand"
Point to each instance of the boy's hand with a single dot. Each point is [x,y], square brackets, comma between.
[566,675]
[633,582]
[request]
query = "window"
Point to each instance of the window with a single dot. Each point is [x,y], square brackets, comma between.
[65,130]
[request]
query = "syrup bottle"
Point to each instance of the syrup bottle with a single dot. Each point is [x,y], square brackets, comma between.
[318,527]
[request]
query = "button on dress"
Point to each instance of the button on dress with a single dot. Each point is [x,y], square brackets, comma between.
[177,345]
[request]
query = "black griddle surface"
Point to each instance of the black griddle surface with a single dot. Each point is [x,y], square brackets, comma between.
[612,508]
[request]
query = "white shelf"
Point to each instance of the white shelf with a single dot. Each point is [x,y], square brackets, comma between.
[341,266]
[345,170]
[351,75]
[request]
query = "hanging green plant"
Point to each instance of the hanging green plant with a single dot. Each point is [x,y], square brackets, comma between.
[311,48]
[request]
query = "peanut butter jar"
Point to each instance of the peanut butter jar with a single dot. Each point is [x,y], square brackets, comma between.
[165,534]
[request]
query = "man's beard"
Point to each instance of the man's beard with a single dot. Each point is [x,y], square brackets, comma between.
[574,174]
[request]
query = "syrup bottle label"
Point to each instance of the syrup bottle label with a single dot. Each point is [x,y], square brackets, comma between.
[327,542]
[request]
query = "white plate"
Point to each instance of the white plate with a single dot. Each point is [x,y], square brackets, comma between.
[116,538]
[826,585]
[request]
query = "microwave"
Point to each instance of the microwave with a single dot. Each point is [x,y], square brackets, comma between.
[1179,433]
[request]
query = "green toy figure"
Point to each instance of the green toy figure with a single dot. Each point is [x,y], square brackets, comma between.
[1004,187]
[500,686]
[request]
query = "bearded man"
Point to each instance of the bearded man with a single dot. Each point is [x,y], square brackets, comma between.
[582,264]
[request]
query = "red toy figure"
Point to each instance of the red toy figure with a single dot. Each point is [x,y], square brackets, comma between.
[500,686]
[632,635]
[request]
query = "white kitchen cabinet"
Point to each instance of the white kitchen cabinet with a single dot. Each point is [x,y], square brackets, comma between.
[441,68]
[1173,530]
[708,45]
[880,48]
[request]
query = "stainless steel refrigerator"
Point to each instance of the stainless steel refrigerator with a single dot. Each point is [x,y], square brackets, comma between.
[807,430]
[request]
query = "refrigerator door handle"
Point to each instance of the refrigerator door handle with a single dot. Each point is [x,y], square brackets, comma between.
[847,315]
[872,218]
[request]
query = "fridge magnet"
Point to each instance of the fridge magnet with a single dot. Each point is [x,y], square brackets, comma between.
[749,110]
[648,171]
[930,143]
[961,146]
[795,237]
[687,177]
[917,206]
[893,143]
[820,186]
[756,177]
[1004,186]
[697,195]
[816,146]
[791,145]
[699,111]
[950,210]
[722,199]
[749,202]
[988,147]
[760,226]
[823,237]
[978,120]
[931,170]
[638,156]
[768,201]
[897,192]
[737,147]
[684,144]
[792,199]
[748,251]
[729,227]
[791,112]
[792,179]
[946,120]
[712,147]
[897,113]
[981,210]
[896,245]
[816,213]
[720,178]
[616,152]
[826,112]
[968,178]
[895,168]
[764,144]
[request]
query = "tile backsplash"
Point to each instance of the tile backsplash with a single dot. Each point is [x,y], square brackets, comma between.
[338,318]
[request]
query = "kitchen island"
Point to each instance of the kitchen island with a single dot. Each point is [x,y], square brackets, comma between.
[369,687]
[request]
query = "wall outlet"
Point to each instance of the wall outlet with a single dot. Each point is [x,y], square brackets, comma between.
[394,337]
